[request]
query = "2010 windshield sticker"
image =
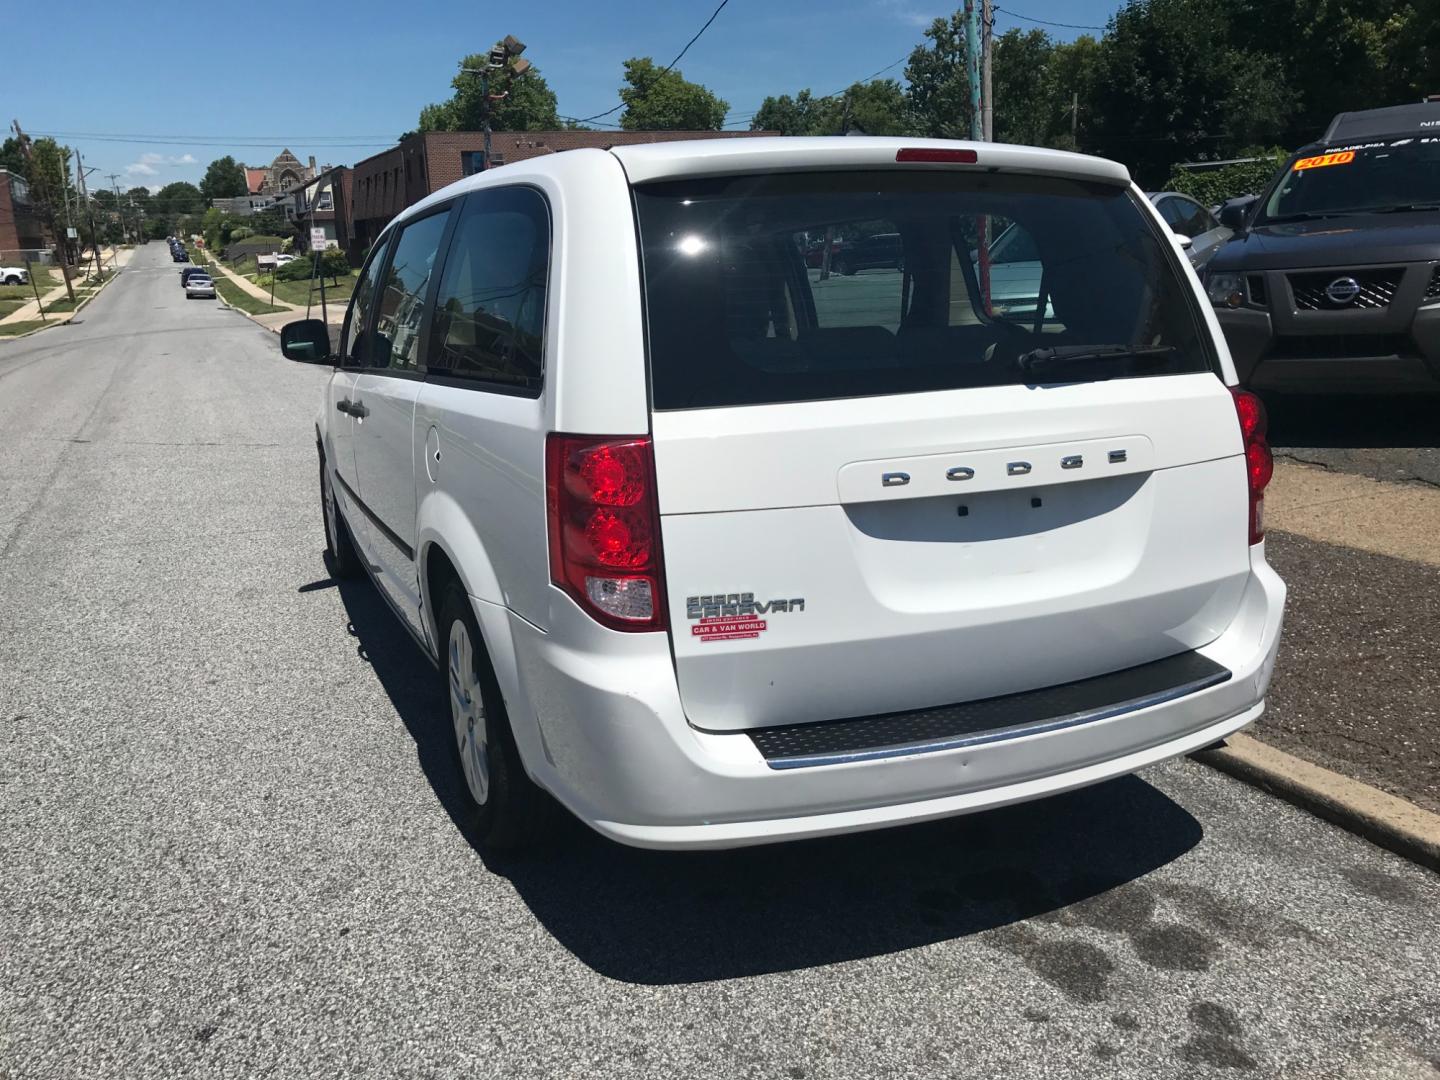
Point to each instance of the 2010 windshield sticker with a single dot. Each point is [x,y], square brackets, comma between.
[1319,162]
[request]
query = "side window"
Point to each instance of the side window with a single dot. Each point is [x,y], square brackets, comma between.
[402,303]
[1172,212]
[490,312]
[353,352]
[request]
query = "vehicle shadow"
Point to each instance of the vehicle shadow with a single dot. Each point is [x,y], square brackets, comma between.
[1352,421]
[666,918]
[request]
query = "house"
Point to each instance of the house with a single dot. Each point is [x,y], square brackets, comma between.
[425,162]
[21,233]
[324,203]
[280,176]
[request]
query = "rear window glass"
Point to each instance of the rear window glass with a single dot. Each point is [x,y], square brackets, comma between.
[797,287]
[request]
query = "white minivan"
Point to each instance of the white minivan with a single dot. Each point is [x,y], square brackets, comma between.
[713,548]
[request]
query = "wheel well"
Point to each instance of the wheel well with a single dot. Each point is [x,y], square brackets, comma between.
[439,572]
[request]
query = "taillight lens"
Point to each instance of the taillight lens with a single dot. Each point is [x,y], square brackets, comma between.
[605,528]
[1259,463]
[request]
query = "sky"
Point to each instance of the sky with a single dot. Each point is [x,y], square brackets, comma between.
[152,92]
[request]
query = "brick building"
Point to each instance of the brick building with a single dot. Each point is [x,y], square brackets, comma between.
[425,162]
[20,229]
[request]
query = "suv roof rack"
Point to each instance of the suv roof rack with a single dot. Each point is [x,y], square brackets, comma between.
[1380,123]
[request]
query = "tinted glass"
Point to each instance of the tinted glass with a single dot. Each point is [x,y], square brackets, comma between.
[1355,179]
[740,310]
[490,312]
[354,347]
[402,304]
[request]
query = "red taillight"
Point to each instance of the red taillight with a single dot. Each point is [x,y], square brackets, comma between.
[1259,464]
[916,154]
[605,528]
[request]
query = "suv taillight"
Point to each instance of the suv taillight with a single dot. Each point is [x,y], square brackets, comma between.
[1259,464]
[605,527]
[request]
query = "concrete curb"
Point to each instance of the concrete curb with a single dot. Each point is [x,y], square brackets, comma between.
[1383,819]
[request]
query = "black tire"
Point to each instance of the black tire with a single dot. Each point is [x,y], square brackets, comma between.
[340,554]
[12,280]
[514,815]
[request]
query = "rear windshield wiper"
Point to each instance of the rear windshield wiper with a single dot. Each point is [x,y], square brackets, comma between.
[1059,357]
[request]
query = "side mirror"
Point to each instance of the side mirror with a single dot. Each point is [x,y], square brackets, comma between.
[1233,215]
[306,341]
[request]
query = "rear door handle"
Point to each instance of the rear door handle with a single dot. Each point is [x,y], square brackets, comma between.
[343,405]
[357,409]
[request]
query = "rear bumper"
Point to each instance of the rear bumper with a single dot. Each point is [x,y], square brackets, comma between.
[606,734]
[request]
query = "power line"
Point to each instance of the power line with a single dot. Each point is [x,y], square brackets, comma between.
[1046,22]
[682,52]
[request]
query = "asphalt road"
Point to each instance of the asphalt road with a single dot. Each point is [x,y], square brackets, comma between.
[227,849]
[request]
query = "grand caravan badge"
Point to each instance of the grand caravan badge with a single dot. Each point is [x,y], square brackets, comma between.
[734,616]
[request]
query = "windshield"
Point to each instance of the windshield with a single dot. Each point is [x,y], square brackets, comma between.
[799,287]
[1362,178]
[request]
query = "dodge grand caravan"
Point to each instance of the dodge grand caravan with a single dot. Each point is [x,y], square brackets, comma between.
[712,552]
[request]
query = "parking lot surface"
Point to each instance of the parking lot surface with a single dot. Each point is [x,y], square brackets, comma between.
[229,850]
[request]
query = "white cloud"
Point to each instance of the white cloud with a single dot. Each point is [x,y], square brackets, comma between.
[903,11]
[146,166]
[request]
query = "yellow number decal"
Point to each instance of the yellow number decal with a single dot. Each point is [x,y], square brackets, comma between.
[1342,158]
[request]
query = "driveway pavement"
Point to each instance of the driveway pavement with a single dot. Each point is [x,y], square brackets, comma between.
[229,850]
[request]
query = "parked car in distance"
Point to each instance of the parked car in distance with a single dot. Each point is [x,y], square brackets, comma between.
[179,255]
[1191,220]
[201,285]
[878,251]
[1331,283]
[193,271]
[281,260]
[776,562]
[14,275]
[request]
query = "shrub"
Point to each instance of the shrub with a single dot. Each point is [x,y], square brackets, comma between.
[1213,186]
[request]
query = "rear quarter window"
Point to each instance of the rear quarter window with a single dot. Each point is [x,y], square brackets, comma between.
[796,287]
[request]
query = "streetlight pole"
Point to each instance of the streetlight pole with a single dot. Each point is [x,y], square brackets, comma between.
[503,56]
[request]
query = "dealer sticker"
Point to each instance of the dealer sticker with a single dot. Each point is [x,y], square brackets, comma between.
[1342,158]
[728,628]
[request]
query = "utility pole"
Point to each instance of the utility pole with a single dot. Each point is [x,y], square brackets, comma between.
[1074,118]
[119,210]
[972,68]
[987,57]
[89,212]
[47,201]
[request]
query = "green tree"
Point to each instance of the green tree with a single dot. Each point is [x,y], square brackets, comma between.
[939,93]
[1171,86]
[1024,111]
[12,158]
[177,200]
[1071,77]
[224,179]
[875,108]
[659,100]
[50,176]
[528,104]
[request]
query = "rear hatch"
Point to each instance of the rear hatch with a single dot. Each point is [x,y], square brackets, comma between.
[884,491]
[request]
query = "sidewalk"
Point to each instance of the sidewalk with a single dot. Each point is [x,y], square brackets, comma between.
[30,310]
[1357,687]
[276,319]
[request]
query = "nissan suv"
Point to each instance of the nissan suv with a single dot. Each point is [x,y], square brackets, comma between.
[1332,282]
[711,552]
